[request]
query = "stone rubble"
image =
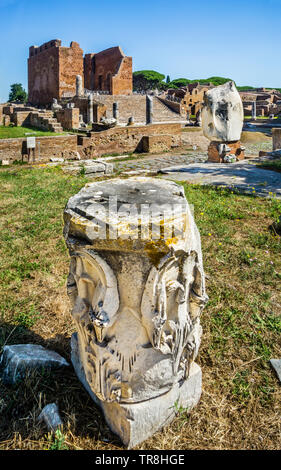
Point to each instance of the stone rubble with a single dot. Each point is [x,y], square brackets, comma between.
[88,167]
[19,360]
[51,417]
[276,365]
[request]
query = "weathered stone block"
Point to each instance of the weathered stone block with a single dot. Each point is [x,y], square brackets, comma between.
[19,359]
[50,415]
[137,288]
[156,143]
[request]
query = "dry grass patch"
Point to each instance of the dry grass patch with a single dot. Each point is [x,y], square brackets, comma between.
[240,404]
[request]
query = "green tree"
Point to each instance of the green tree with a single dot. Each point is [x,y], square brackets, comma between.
[179,82]
[147,80]
[168,79]
[17,93]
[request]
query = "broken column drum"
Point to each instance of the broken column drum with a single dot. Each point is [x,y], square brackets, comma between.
[136,285]
[90,110]
[115,110]
[79,85]
[222,123]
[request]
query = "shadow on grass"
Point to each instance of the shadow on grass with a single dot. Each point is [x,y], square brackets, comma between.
[21,404]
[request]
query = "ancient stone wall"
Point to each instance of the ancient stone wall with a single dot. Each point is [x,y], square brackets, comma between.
[70,65]
[46,147]
[125,139]
[52,71]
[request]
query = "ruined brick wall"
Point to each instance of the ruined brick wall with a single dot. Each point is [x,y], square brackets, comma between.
[43,73]
[70,65]
[122,82]
[46,147]
[109,70]
[89,71]
[125,139]
[52,71]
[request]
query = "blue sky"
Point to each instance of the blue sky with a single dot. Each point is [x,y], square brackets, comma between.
[193,39]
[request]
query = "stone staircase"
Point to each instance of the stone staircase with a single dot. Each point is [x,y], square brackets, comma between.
[163,113]
[135,105]
[45,120]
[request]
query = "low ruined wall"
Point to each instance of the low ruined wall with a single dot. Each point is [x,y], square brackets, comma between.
[125,139]
[46,147]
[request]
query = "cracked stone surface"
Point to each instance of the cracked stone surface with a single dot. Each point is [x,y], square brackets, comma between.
[242,175]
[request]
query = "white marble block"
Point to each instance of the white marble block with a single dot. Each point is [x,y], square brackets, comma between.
[222,113]
[137,289]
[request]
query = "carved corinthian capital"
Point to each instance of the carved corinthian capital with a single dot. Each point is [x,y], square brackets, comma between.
[136,285]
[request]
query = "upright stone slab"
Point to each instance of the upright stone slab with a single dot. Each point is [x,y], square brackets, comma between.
[136,284]
[198,118]
[115,110]
[254,110]
[149,109]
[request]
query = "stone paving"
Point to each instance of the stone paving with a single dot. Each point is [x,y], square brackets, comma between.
[243,176]
[193,167]
[155,163]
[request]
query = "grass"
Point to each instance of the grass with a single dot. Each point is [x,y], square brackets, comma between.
[240,403]
[16,132]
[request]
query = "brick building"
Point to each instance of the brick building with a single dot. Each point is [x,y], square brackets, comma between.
[190,97]
[109,70]
[52,71]
[267,101]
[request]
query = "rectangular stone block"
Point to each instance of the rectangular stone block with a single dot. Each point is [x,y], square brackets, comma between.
[156,143]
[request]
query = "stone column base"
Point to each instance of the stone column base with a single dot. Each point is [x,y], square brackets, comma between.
[134,423]
[225,152]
